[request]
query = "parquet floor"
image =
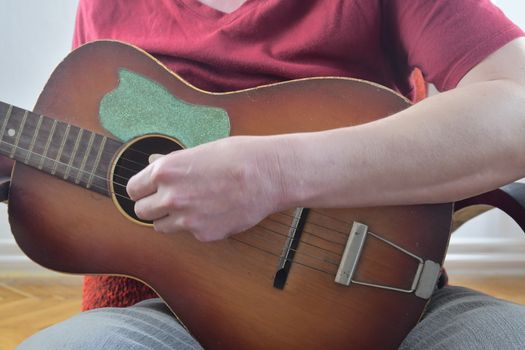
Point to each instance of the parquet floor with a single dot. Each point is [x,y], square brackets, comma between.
[27,305]
[512,289]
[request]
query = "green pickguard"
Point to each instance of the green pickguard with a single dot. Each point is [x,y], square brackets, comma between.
[141,106]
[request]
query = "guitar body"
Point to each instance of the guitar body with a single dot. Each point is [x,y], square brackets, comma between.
[223,291]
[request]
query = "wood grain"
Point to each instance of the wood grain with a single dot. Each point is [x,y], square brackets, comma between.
[507,288]
[29,305]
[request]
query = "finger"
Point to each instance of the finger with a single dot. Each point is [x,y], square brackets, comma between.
[151,207]
[141,184]
[169,224]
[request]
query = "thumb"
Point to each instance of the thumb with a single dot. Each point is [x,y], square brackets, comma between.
[154,157]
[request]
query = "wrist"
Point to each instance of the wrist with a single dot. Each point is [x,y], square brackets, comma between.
[287,169]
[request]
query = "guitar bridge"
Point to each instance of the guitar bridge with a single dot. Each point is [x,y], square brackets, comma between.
[425,277]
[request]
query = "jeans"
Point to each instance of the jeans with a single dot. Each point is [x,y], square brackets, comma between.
[456,318]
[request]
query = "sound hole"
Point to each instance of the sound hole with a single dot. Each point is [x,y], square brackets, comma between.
[132,160]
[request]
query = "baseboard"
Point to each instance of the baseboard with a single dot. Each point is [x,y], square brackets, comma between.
[13,262]
[482,257]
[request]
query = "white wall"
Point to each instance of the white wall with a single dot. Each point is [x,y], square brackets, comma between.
[493,243]
[35,35]
[514,9]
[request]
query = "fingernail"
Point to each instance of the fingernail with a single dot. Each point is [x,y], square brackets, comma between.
[154,157]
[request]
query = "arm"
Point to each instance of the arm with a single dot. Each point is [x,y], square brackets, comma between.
[458,144]
[461,143]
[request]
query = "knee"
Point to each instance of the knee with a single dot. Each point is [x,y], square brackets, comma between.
[147,326]
[459,318]
[75,333]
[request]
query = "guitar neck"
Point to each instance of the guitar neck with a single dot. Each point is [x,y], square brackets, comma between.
[63,150]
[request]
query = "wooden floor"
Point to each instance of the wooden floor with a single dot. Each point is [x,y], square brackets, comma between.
[512,289]
[27,306]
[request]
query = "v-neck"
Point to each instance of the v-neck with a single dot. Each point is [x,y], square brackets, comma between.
[202,10]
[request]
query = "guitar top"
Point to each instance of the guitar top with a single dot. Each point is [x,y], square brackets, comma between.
[306,278]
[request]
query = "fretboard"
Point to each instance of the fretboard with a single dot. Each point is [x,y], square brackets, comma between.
[66,151]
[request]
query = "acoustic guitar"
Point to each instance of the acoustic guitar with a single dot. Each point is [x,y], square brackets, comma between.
[305,278]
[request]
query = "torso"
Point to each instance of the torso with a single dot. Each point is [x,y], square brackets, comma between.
[225,45]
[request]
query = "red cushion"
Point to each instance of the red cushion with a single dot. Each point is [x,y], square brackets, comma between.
[104,291]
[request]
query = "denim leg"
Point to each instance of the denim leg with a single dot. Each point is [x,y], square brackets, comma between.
[460,318]
[146,325]
[456,318]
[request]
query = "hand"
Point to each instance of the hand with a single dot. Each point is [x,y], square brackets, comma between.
[213,190]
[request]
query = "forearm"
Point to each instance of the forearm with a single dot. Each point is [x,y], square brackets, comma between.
[447,147]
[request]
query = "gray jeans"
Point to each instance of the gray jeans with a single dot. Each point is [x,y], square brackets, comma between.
[457,318]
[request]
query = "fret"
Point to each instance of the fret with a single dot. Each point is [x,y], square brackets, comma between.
[33,140]
[6,119]
[110,149]
[72,156]
[66,151]
[52,157]
[25,148]
[100,177]
[18,135]
[85,158]
[61,149]
[97,161]
[46,147]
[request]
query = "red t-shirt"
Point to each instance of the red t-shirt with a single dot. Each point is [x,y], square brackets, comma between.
[266,41]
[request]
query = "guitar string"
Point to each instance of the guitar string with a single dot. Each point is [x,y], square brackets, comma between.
[321,226]
[304,230]
[302,242]
[288,227]
[298,252]
[288,215]
[279,256]
[259,226]
[142,165]
[286,236]
[104,151]
[310,234]
[278,222]
[42,128]
[127,198]
[331,217]
[86,172]
[341,233]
